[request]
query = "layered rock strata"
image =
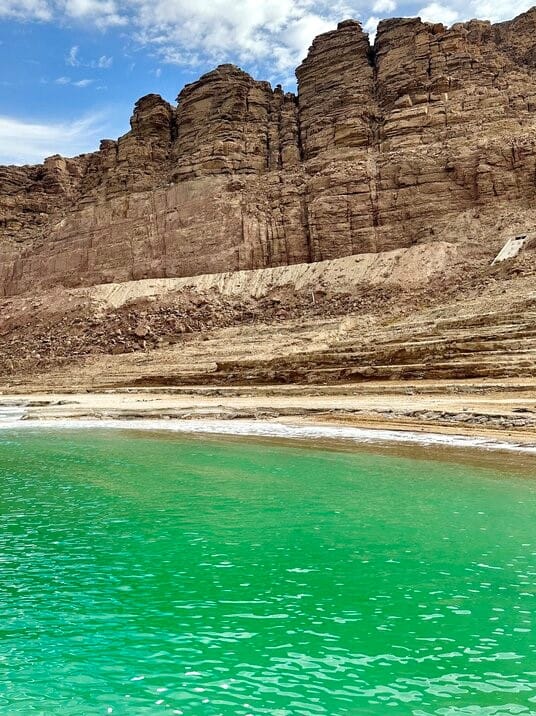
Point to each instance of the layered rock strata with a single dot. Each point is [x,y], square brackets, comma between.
[429,134]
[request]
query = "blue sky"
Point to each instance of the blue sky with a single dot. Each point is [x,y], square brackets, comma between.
[71,70]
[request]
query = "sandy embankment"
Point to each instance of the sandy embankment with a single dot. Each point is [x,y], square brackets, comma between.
[496,411]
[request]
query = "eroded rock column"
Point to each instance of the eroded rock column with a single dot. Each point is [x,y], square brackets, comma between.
[336,91]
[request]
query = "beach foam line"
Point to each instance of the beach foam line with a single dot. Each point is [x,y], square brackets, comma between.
[11,412]
[261,428]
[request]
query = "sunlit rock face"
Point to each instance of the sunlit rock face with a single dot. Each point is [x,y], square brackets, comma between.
[429,134]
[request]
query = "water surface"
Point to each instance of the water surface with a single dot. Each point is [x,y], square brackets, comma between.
[152,574]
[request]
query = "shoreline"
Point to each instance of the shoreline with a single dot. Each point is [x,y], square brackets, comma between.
[503,418]
[278,430]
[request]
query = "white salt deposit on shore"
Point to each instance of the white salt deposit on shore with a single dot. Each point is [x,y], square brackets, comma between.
[261,428]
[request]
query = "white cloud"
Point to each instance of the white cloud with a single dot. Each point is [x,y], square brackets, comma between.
[72,57]
[104,62]
[26,9]
[74,60]
[242,31]
[371,25]
[384,6]
[435,12]
[104,13]
[451,11]
[252,33]
[497,10]
[299,36]
[73,83]
[25,142]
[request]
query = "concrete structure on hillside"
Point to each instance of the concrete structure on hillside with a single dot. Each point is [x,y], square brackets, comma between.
[514,246]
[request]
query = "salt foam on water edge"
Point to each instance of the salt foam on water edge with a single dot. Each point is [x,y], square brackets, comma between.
[11,413]
[263,428]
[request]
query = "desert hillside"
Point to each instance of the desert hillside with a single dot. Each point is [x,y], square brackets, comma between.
[247,235]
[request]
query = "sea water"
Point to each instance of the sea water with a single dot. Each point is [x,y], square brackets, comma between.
[156,574]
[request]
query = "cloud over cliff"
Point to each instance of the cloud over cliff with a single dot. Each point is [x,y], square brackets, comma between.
[275,31]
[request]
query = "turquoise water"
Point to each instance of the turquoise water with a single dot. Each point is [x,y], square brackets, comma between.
[153,574]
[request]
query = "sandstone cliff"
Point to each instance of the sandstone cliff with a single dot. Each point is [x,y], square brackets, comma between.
[429,134]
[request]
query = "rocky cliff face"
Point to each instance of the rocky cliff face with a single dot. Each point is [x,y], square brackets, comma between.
[429,134]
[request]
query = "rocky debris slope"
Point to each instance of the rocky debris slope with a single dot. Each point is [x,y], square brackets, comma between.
[427,135]
[144,326]
[470,321]
[144,315]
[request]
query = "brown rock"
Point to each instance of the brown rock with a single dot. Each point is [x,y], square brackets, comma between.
[427,135]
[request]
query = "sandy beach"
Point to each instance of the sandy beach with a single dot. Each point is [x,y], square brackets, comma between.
[485,411]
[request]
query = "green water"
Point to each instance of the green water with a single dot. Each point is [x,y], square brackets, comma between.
[145,574]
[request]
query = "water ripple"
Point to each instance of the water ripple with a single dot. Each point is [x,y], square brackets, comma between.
[152,576]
